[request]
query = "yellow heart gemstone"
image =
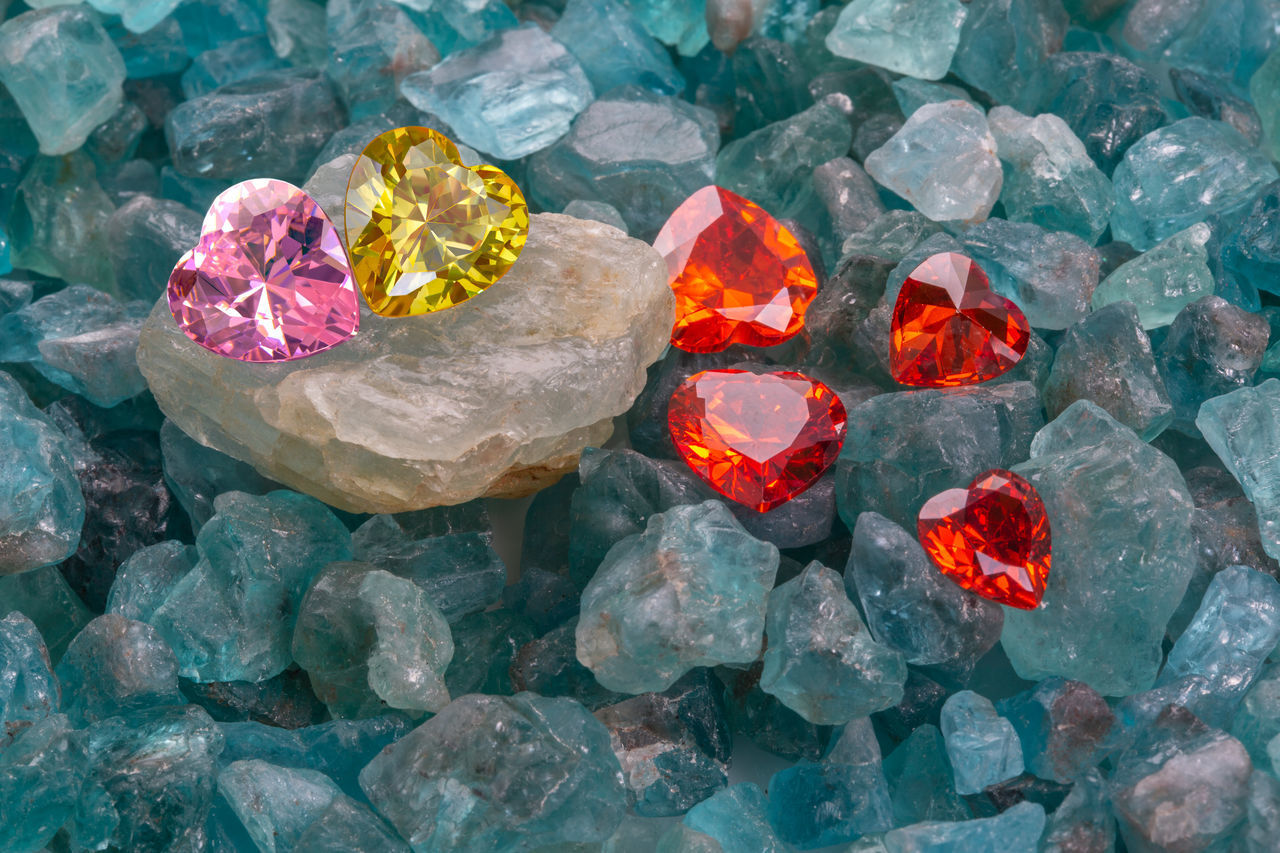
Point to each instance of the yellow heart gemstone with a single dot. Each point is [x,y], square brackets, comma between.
[424,232]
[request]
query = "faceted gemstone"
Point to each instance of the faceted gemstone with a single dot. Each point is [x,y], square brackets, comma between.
[268,280]
[757,439]
[992,538]
[950,328]
[740,277]
[426,232]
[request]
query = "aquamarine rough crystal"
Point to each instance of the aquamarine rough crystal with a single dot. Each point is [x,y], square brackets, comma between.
[1064,726]
[689,591]
[41,773]
[1121,519]
[28,691]
[41,506]
[943,161]
[983,746]
[921,782]
[509,96]
[1212,349]
[477,777]
[1243,428]
[1004,41]
[735,819]
[1016,830]
[614,49]
[57,222]
[1162,280]
[64,71]
[115,666]
[917,39]
[821,660]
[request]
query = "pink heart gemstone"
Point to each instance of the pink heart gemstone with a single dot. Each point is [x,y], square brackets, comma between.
[269,279]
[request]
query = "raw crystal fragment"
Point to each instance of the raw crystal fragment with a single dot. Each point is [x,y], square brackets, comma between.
[680,23]
[1211,97]
[1162,280]
[1251,250]
[296,29]
[943,161]
[1163,187]
[40,777]
[509,113]
[62,68]
[1049,178]
[232,62]
[921,781]
[1064,727]
[1121,531]
[917,39]
[735,819]
[372,46]
[769,83]
[145,237]
[115,666]
[1083,822]
[689,591]
[44,597]
[597,210]
[1106,358]
[821,660]
[28,691]
[57,225]
[640,152]
[370,640]
[197,474]
[276,804]
[1017,830]
[144,581]
[983,746]
[475,777]
[41,506]
[1257,721]
[1212,349]
[614,49]
[1005,41]
[548,665]
[910,606]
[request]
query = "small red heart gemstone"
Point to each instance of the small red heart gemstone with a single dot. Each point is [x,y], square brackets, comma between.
[757,439]
[992,538]
[950,327]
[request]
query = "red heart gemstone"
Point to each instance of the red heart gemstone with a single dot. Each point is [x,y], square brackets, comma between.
[739,276]
[757,439]
[992,538]
[950,327]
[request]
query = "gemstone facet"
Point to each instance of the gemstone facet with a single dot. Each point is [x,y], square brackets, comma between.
[757,439]
[992,538]
[426,232]
[268,280]
[950,328]
[739,276]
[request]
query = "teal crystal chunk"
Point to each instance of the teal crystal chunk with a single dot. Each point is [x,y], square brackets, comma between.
[735,819]
[1004,41]
[1064,726]
[509,114]
[921,781]
[915,39]
[41,506]
[44,597]
[679,23]
[231,617]
[28,691]
[614,49]
[1162,280]
[983,746]
[1257,721]
[144,581]
[1083,820]
[115,666]
[196,474]
[1016,830]
[57,222]
[476,777]
[1243,428]
[1162,186]
[373,45]
[821,660]
[1049,178]
[64,71]
[1251,250]
[943,162]
[689,591]
[40,777]
[144,236]
[232,62]
[1121,517]
[275,804]
[1106,358]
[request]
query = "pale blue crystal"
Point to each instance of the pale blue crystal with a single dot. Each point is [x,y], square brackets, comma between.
[155,53]
[144,581]
[921,781]
[821,660]
[276,804]
[196,474]
[41,507]
[1083,821]
[983,746]
[144,238]
[1163,186]
[915,39]
[457,26]
[115,666]
[28,691]
[597,210]
[485,646]
[1257,722]
[680,23]
[943,161]
[640,152]
[1050,275]
[1064,727]
[231,617]
[40,777]
[1004,41]
[297,30]
[137,15]
[57,225]
[1212,349]
[1162,280]
[229,63]
[689,591]
[1016,830]
[509,96]
[736,818]
[1049,178]
[912,607]
[373,45]
[912,94]
[62,68]
[347,826]
[476,777]
[614,49]
[1251,250]
[44,597]
[549,665]
[1106,358]
[1121,519]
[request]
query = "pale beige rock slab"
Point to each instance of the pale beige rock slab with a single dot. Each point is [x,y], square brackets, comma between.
[496,397]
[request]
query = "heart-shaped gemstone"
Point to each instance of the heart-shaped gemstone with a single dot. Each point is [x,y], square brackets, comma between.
[268,280]
[759,439]
[424,231]
[950,328]
[739,276]
[992,538]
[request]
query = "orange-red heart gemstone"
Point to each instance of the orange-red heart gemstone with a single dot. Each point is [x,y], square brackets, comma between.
[950,327]
[757,439]
[739,276]
[992,538]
